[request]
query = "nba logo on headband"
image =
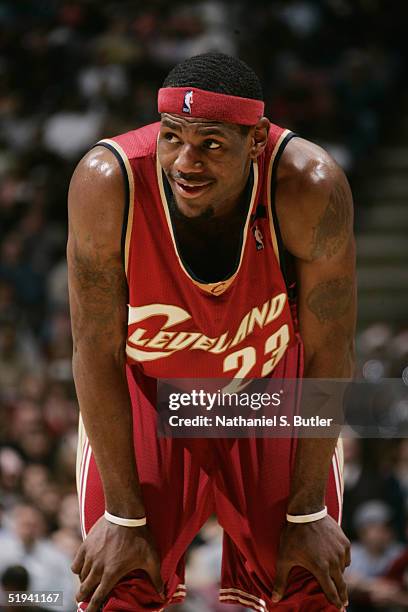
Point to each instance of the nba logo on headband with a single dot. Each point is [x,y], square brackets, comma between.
[188,100]
[210,105]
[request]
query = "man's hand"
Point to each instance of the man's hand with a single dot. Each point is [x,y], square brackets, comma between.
[109,553]
[320,547]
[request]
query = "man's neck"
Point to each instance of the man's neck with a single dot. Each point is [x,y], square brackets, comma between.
[211,225]
[218,220]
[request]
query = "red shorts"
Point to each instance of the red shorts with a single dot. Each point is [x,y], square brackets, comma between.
[245,482]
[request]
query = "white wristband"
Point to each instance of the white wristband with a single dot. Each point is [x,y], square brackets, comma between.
[307,518]
[117,520]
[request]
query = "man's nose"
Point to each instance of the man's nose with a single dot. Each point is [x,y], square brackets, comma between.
[188,160]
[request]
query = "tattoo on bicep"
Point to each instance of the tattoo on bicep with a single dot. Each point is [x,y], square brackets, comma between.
[330,300]
[102,286]
[332,228]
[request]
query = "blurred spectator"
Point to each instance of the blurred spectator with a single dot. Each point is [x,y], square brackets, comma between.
[68,514]
[400,469]
[35,480]
[392,590]
[8,306]
[204,566]
[373,553]
[58,346]
[30,434]
[15,269]
[67,542]
[204,571]
[103,79]
[70,130]
[18,352]
[398,352]
[32,386]
[57,285]
[11,471]
[14,578]
[26,545]
[360,90]
[363,481]
[42,240]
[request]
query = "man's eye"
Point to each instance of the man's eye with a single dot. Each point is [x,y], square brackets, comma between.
[172,138]
[212,144]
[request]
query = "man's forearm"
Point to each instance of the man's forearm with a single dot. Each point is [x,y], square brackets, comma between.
[313,459]
[105,406]
[314,455]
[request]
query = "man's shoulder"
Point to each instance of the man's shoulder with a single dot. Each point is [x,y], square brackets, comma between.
[312,195]
[305,163]
[307,176]
[138,143]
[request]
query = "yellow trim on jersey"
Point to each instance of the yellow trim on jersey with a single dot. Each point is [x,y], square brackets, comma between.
[241,597]
[340,458]
[80,452]
[338,467]
[244,594]
[340,451]
[270,169]
[219,287]
[131,184]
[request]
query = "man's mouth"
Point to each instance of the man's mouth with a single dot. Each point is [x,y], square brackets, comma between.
[191,189]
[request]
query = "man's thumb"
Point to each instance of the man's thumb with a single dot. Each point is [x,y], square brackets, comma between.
[279,585]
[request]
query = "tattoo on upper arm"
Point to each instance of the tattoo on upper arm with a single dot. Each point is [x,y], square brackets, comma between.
[330,300]
[333,226]
[102,291]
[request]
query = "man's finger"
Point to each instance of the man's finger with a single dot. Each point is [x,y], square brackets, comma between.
[347,557]
[86,568]
[78,560]
[341,586]
[100,595]
[88,586]
[279,585]
[329,589]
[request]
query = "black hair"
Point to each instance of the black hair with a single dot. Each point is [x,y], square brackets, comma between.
[15,578]
[216,72]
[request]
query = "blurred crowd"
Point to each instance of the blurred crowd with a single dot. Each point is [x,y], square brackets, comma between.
[73,71]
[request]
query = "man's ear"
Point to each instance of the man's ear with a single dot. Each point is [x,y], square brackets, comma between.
[259,137]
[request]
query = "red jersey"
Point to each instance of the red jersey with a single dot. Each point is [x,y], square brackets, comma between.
[179,326]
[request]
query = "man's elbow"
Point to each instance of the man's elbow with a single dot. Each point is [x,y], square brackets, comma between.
[94,352]
[333,357]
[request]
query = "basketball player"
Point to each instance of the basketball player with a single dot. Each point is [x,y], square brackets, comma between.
[196,224]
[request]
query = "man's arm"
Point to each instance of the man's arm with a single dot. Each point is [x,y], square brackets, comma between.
[98,300]
[316,219]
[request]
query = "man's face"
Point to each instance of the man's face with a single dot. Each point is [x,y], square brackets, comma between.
[206,163]
[376,537]
[28,524]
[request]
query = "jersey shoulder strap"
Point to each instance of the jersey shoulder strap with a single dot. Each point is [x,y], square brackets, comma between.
[278,140]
